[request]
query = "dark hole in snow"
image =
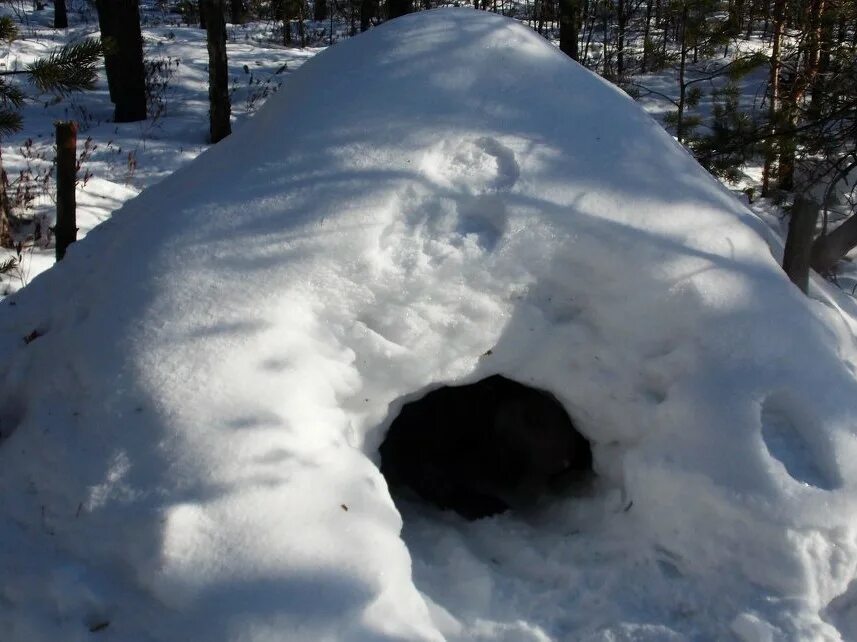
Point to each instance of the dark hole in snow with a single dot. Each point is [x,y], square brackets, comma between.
[483,448]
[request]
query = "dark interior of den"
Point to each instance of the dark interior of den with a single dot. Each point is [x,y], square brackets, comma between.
[484,448]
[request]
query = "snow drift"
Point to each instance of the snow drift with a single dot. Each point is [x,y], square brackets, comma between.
[189,437]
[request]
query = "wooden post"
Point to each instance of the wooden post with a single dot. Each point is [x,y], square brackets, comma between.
[798,252]
[65,229]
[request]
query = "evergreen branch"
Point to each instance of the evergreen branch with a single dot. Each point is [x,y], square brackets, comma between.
[10,122]
[8,29]
[11,97]
[71,68]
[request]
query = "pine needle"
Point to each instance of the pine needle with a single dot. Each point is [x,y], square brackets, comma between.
[10,122]
[8,29]
[71,68]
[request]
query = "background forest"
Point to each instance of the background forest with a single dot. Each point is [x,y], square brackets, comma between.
[762,92]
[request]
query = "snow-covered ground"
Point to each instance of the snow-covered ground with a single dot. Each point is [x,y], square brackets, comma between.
[190,428]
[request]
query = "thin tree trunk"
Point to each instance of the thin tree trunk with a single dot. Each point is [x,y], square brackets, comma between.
[65,230]
[646,31]
[774,84]
[6,239]
[604,48]
[202,21]
[589,33]
[218,72]
[799,84]
[620,44]
[817,92]
[682,87]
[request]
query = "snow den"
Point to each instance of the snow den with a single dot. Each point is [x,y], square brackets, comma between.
[441,199]
[483,448]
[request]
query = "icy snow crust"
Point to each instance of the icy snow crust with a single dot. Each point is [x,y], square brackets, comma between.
[190,446]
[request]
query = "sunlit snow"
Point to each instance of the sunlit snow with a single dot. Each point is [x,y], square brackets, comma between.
[189,447]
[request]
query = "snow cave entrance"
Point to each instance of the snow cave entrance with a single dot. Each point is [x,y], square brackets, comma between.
[483,448]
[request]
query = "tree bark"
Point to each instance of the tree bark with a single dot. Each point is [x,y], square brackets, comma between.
[237,11]
[119,21]
[646,31]
[828,249]
[65,230]
[622,21]
[6,239]
[802,79]
[60,15]
[319,10]
[218,72]
[367,11]
[774,85]
[682,86]
[798,252]
[396,8]
[569,27]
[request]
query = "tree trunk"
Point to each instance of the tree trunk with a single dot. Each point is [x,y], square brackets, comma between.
[646,31]
[800,81]
[825,47]
[319,10]
[6,239]
[774,106]
[60,15]
[569,27]
[396,8]
[367,11]
[202,21]
[796,258]
[682,87]
[828,249]
[620,45]
[119,21]
[237,11]
[65,230]
[218,72]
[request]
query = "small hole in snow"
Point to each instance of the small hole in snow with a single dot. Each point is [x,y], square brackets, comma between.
[483,448]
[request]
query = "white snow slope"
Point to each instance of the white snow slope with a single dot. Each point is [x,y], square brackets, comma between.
[190,443]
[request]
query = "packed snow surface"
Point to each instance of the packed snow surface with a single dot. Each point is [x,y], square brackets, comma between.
[190,429]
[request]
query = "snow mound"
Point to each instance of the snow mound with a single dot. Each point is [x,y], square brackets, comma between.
[190,432]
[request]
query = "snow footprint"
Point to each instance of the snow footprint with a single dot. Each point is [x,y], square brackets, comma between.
[476,166]
[789,438]
[477,172]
